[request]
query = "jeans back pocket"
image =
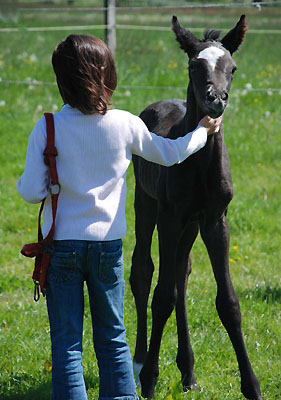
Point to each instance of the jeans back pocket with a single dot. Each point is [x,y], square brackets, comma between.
[110,266]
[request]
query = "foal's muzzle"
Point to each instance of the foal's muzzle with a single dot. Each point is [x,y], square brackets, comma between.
[216,102]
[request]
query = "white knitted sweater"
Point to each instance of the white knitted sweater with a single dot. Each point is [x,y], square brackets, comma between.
[94,152]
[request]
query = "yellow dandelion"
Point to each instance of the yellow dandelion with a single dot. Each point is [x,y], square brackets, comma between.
[172,65]
[28,229]
[235,247]
[48,366]
[232,261]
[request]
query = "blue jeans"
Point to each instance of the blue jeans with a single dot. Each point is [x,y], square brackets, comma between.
[100,264]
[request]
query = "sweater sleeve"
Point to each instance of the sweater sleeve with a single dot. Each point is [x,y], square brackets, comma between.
[165,151]
[34,182]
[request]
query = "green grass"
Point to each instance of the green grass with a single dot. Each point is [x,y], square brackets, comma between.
[252,134]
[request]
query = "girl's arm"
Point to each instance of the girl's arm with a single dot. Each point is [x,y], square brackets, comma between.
[167,152]
[34,182]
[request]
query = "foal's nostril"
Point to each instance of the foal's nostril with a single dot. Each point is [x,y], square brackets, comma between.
[211,96]
[224,96]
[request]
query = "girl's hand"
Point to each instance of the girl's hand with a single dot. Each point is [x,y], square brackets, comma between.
[212,125]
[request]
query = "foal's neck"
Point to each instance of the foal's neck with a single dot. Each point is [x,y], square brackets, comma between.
[194,113]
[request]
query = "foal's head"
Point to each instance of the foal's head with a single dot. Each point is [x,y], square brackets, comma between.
[211,66]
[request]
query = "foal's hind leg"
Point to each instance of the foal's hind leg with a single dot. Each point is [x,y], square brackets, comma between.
[185,358]
[217,244]
[142,270]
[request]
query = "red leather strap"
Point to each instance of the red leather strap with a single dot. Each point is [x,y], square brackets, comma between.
[37,250]
[50,151]
[50,154]
[40,236]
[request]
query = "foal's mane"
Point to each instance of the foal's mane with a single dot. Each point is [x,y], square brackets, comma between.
[211,35]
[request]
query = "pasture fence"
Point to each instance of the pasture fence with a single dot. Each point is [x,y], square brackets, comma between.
[110,10]
[110,26]
[29,82]
[237,4]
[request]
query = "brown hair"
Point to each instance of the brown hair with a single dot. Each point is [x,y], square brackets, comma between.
[86,74]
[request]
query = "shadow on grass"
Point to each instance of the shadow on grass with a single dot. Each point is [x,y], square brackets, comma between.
[41,391]
[266,293]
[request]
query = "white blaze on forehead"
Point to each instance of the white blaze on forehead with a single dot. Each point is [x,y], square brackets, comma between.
[211,54]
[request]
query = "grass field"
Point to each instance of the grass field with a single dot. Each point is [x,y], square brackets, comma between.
[252,134]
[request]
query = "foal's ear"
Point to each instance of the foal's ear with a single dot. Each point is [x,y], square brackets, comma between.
[185,38]
[232,40]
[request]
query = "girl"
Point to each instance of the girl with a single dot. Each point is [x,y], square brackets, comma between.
[95,147]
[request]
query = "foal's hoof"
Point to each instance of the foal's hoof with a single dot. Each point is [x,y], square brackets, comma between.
[190,387]
[148,379]
[252,396]
[189,383]
[251,388]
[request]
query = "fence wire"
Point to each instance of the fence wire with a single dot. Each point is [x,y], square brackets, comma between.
[119,26]
[29,82]
[257,5]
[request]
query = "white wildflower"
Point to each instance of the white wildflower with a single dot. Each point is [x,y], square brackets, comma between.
[39,107]
[267,114]
[2,103]
[33,58]
[257,345]
[248,86]
[55,108]
[22,56]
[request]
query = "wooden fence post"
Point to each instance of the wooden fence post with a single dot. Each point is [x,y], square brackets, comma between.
[110,30]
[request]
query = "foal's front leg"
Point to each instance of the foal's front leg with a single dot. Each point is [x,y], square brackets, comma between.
[185,357]
[142,271]
[217,243]
[164,299]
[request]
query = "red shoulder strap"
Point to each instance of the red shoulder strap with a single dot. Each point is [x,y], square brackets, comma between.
[50,151]
[50,154]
